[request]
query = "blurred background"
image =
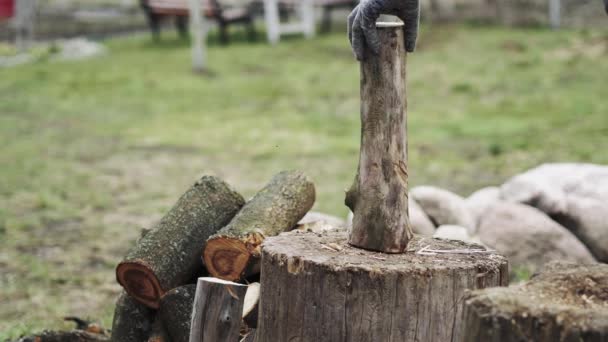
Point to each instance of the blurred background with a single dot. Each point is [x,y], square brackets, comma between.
[103,124]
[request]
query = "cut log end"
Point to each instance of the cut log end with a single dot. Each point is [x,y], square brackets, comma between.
[140,282]
[228,257]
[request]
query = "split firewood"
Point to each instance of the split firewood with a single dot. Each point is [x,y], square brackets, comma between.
[250,337]
[132,320]
[168,256]
[250,306]
[234,252]
[217,311]
[66,336]
[176,312]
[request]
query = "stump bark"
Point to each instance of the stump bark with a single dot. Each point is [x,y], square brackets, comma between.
[566,302]
[176,312]
[379,195]
[168,256]
[132,320]
[317,287]
[217,311]
[234,252]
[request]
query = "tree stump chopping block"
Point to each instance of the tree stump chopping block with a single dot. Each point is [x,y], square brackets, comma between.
[379,195]
[565,302]
[317,287]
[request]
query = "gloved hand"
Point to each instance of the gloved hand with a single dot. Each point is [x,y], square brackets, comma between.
[362,23]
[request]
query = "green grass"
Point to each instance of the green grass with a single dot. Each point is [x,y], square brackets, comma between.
[94,150]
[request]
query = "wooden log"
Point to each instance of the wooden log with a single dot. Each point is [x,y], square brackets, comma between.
[250,305]
[159,331]
[379,195]
[169,255]
[176,312]
[250,337]
[320,288]
[217,311]
[234,252]
[132,320]
[66,336]
[566,302]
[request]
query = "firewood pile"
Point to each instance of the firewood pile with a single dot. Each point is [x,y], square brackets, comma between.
[210,232]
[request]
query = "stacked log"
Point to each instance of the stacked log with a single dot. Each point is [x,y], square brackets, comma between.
[234,252]
[169,255]
[566,302]
[160,271]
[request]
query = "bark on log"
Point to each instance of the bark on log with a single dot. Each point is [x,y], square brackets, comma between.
[176,312]
[251,304]
[319,288]
[132,320]
[159,331]
[66,336]
[169,255]
[566,302]
[234,252]
[379,195]
[218,308]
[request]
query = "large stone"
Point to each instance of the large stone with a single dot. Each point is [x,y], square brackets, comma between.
[314,216]
[421,224]
[451,232]
[479,201]
[443,207]
[575,195]
[528,237]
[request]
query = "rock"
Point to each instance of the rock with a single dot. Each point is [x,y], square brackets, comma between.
[587,218]
[319,222]
[528,237]
[421,224]
[314,216]
[575,195]
[451,232]
[479,201]
[443,207]
[79,48]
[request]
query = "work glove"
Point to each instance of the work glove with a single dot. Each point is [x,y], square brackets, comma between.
[362,23]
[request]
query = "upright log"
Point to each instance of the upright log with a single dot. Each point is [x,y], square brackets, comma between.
[318,288]
[168,256]
[565,302]
[234,252]
[132,320]
[379,195]
[217,311]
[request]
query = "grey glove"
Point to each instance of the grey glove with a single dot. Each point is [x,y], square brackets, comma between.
[362,23]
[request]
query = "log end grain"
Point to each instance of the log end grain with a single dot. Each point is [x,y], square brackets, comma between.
[140,282]
[228,257]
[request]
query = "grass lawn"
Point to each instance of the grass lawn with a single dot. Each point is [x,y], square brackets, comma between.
[93,151]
